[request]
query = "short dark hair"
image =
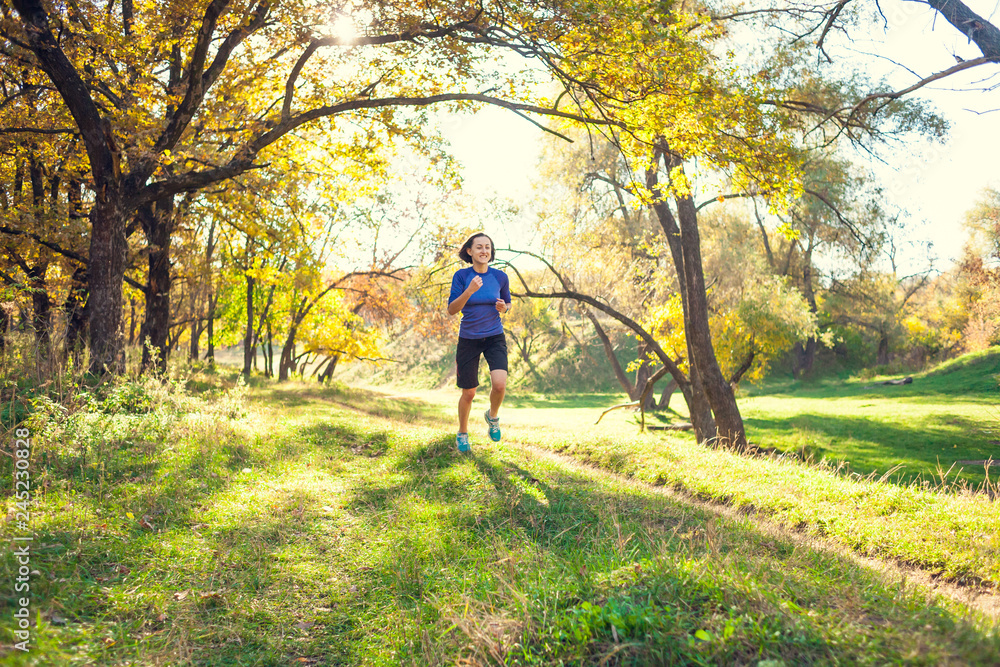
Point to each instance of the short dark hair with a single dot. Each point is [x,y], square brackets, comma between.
[463,253]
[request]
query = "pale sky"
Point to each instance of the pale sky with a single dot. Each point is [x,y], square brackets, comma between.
[934,183]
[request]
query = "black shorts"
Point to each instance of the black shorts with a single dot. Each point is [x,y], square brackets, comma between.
[494,348]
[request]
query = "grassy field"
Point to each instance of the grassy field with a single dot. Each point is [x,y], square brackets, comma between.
[299,525]
[884,478]
[945,417]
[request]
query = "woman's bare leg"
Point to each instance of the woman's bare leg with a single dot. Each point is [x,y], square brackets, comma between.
[498,386]
[464,408]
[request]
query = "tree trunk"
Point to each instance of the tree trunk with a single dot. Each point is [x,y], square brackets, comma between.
[269,352]
[108,247]
[157,224]
[804,358]
[728,421]
[642,375]
[609,352]
[196,327]
[264,318]
[210,354]
[524,351]
[6,315]
[699,408]
[41,305]
[41,309]
[882,356]
[805,355]
[248,349]
[131,323]
[106,273]
[174,338]
[668,392]
[701,417]
[327,373]
[286,362]
[75,308]
[212,298]
[697,401]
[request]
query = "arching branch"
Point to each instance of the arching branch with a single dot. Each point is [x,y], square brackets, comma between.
[568,293]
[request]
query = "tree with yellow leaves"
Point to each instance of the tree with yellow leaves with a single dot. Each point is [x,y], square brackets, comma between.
[174,97]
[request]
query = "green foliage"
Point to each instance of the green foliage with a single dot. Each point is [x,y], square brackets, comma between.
[574,369]
[769,319]
[128,398]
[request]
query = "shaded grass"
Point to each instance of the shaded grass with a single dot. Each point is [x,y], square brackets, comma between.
[315,534]
[914,441]
[948,415]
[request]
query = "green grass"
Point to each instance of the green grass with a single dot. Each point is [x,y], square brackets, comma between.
[947,415]
[878,489]
[339,527]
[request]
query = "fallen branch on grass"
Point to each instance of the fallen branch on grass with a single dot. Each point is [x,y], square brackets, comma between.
[900,381]
[683,426]
[615,407]
[646,391]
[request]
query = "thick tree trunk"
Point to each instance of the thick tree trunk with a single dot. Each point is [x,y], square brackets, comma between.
[41,309]
[106,273]
[699,408]
[706,376]
[157,223]
[728,421]
[694,394]
[108,248]
[882,356]
[286,363]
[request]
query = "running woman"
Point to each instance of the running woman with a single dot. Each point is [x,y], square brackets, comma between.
[481,293]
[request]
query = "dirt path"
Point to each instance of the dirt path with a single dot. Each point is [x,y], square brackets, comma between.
[984,600]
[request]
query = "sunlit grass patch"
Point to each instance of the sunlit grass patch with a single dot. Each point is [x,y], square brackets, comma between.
[314,532]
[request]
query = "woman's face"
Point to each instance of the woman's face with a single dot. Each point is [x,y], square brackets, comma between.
[481,250]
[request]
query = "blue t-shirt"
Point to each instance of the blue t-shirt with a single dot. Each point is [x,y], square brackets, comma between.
[479,315]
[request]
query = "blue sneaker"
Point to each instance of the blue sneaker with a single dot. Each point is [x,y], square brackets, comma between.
[494,424]
[462,440]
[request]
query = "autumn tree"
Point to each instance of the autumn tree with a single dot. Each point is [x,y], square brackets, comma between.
[40,208]
[682,104]
[979,272]
[172,98]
